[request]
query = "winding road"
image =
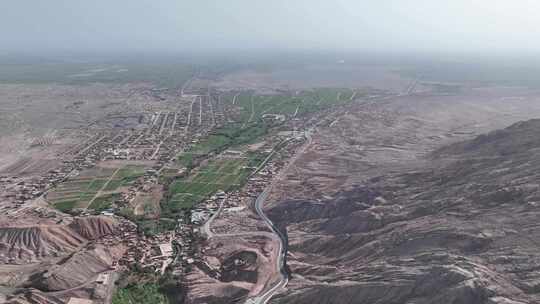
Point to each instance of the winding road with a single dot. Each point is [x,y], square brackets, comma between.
[280,261]
[259,204]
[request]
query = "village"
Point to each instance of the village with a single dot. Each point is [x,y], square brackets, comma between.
[123,174]
[182,247]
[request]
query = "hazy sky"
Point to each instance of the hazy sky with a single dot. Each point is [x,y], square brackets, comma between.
[448,25]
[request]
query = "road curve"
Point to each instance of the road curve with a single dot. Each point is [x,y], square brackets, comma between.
[280,261]
[259,203]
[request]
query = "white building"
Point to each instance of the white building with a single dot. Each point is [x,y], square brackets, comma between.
[166,249]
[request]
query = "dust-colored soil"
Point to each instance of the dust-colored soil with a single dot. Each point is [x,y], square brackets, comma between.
[33,243]
[38,122]
[55,260]
[79,269]
[374,215]
[23,244]
[93,228]
[234,268]
[148,203]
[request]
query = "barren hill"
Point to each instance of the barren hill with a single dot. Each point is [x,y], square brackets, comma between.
[31,244]
[457,224]
[93,227]
[33,296]
[80,268]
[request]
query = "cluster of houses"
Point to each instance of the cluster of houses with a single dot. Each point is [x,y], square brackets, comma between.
[232,203]
[15,191]
[156,252]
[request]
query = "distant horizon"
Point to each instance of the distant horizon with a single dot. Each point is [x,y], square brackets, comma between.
[278,54]
[388,26]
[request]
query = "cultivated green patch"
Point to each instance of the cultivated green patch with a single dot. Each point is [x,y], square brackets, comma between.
[230,136]
[103,202]
[140,293]
[219,174]
[79,191]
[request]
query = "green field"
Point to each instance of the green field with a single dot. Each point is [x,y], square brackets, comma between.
[229,136]
[250,126]
[253,107]
[140,293]
[78,192]
[103,202]
[219,174]
[65,206]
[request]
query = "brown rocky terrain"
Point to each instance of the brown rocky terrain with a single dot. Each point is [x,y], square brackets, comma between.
[23,244]
[402,202]
[32,296]
[48,262]
[231,269]
[76,270]
[93,227]
[33,243]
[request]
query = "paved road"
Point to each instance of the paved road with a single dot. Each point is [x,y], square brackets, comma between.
[259,203]
[206,230]
[280,261]
[189,114]
[206,227]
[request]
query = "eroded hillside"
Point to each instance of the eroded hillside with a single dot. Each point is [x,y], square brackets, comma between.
[405,204]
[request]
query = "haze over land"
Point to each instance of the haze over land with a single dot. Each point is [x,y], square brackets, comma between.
[461,26]
[254,152]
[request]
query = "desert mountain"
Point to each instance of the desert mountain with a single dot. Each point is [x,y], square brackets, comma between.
[462,228]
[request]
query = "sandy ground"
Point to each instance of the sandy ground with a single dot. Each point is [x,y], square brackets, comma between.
[222,247]
[372,137]
[39,121]
[370,140]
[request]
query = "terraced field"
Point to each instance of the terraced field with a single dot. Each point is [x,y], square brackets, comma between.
[94,188]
